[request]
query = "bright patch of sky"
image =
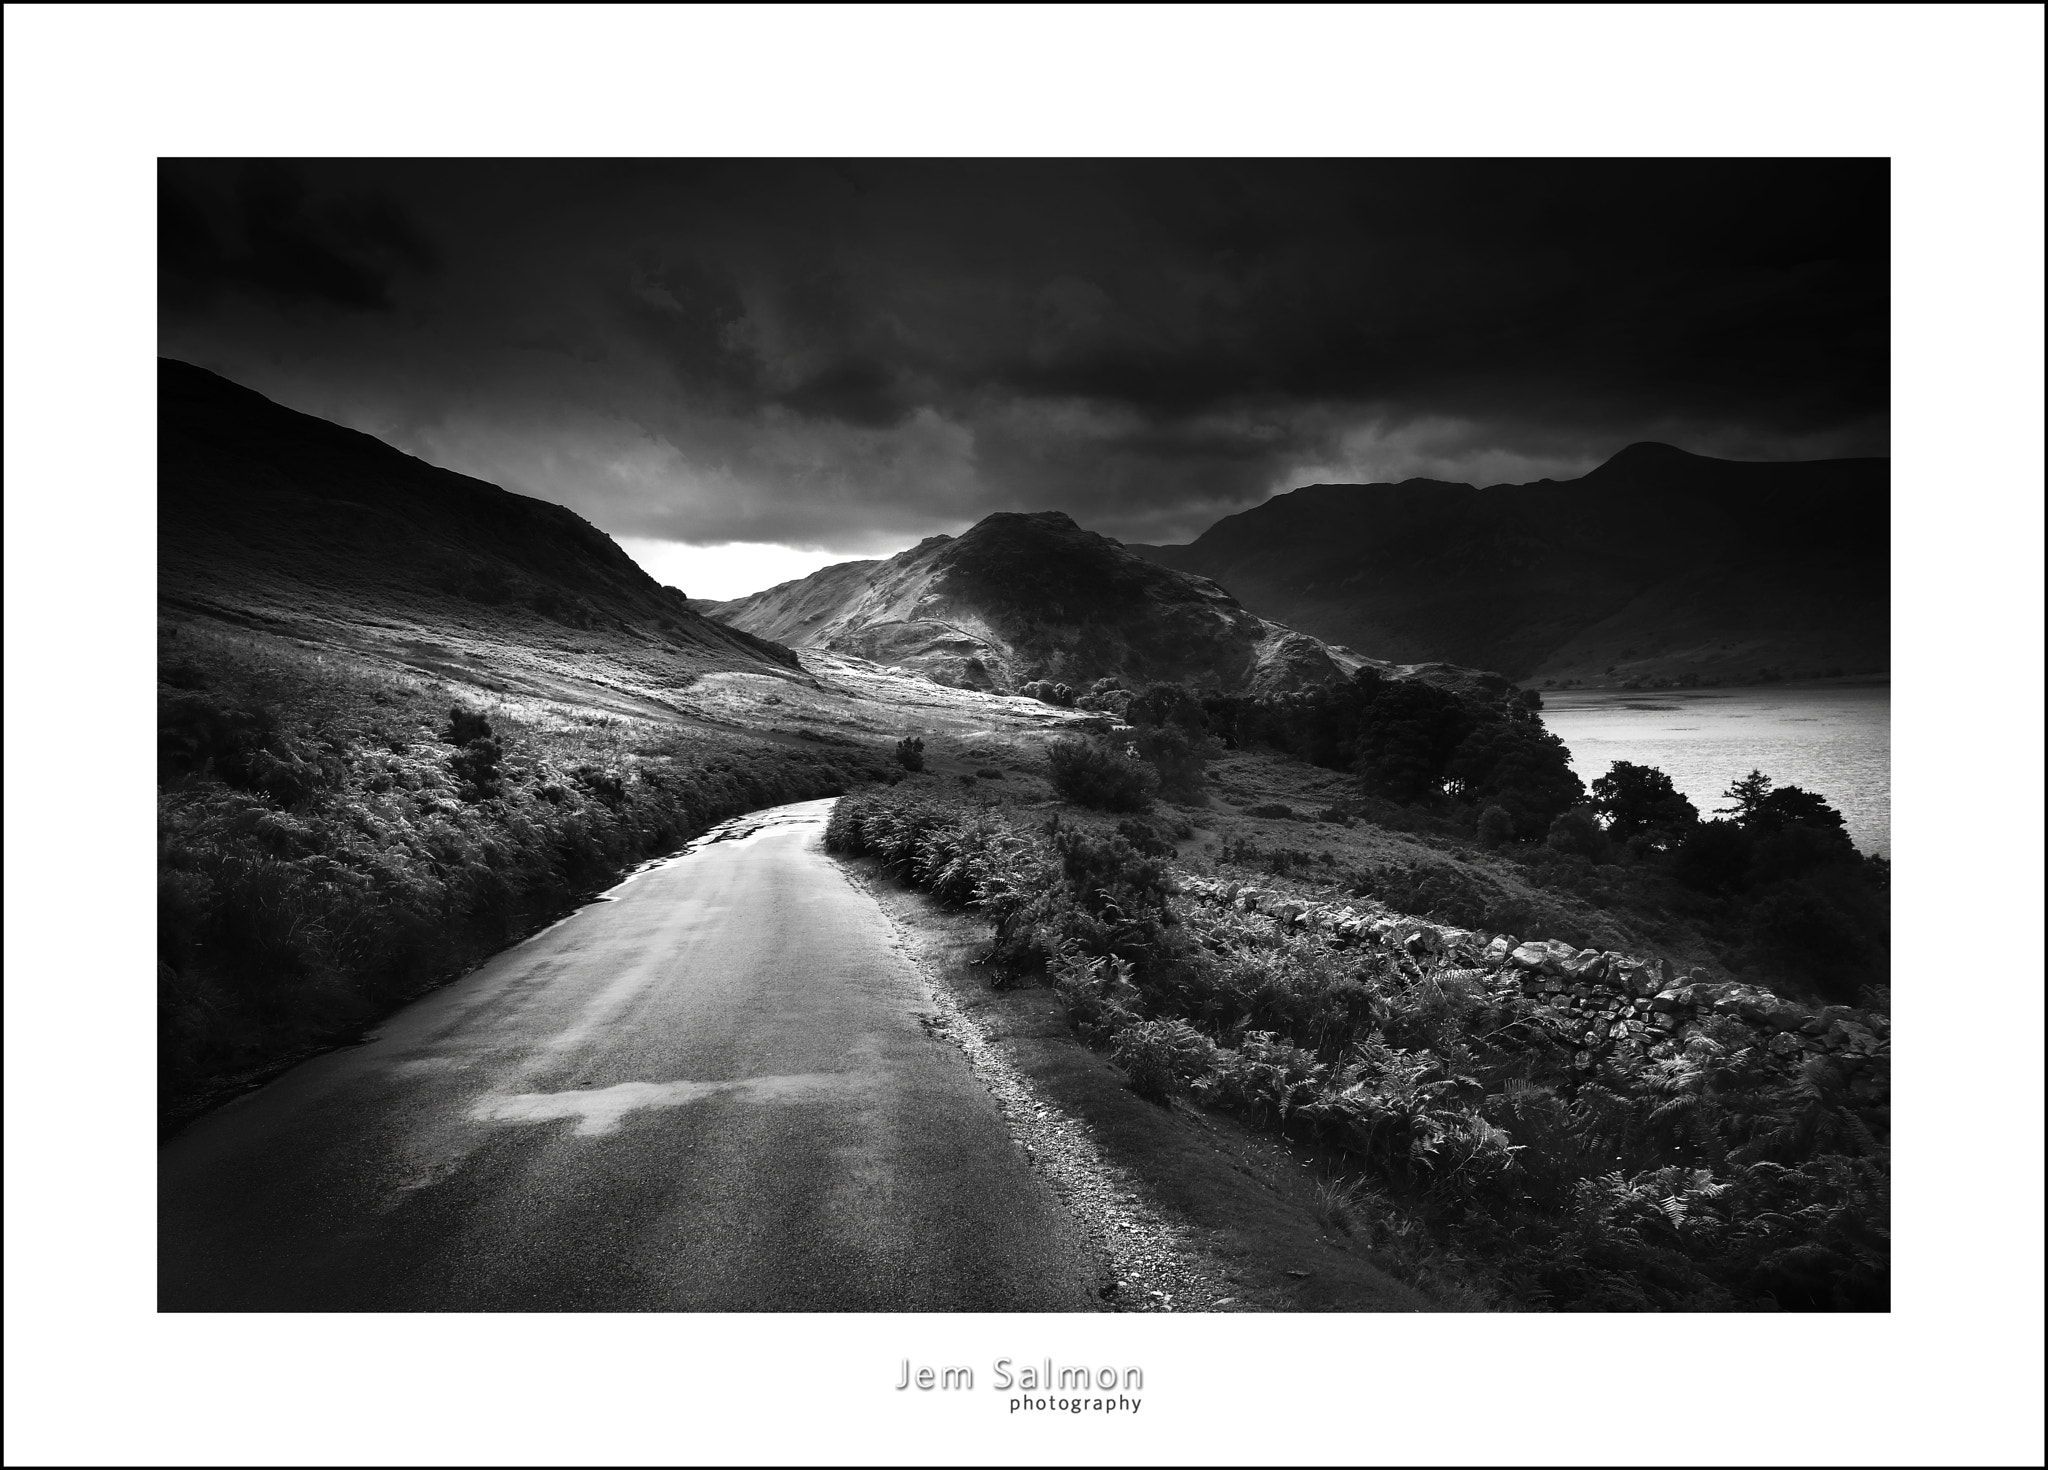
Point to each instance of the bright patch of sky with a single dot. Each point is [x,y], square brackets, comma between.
[730,570]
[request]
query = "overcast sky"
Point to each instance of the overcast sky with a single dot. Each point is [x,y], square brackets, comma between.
[820,360]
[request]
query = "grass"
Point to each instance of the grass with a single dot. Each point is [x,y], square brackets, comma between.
[328,850]
[1246,1195]
[1701,1171]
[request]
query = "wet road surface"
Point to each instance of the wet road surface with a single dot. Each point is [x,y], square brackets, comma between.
[710,1092]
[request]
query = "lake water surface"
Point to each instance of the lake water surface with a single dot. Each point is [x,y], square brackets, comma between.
[1836,742]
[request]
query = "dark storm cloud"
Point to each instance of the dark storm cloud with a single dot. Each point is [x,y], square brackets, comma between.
[849,354]
[262,231]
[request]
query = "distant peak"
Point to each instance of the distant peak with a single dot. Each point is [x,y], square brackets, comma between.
[1649,451]
[1059,520]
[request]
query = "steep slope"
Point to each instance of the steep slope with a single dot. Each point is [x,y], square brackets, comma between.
[1020,597]
[283,522]
[1657,564]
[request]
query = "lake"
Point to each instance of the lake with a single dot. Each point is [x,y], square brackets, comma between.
[1833,741]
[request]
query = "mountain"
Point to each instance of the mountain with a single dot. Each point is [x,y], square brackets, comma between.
[278,521]
[1658,564]
[1020,597]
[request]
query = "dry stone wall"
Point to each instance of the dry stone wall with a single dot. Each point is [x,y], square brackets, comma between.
[1599,1001]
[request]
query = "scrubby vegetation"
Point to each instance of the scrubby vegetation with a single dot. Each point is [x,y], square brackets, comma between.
[1773,884]
[333,840]
[1473,1136]
[1097,773]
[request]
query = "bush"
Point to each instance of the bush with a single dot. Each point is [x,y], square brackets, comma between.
[605,785]
[1095,774]
[1279,810]
[1047,692]
[1714,857]
[476,766]
[1169,704]
[1179,758]
[1495,827]
[465,725]
[910,753]
[1160,1056]
[1144,837]
[1578,833]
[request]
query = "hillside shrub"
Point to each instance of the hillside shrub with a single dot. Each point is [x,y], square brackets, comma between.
[1161,1057]
[1179,760]
[1144,837]
[1094,773]
[1577,832]
[910,753]
[1047,691]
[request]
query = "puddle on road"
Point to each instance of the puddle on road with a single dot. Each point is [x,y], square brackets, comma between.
[600,1110]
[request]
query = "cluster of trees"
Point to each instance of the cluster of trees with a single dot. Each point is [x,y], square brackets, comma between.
[1411,742]
[1776,864]
[1406,741]
[1165,753]
[1774,872]
[1106,693]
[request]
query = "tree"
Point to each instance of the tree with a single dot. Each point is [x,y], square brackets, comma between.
[1496,825]
[1641,800]
[1180,759]
[910,753]
[1406,736]
[1522,768]
[1714,856]
[1576,832]
[1748,794]
[1169,704]
[1789,807]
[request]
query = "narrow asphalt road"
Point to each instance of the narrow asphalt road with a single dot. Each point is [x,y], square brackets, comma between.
[711,1092]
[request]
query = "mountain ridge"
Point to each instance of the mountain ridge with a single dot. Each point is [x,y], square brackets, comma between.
[282,521]
[1023,596]
[1658,563]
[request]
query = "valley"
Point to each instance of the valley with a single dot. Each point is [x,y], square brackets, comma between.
[414,731]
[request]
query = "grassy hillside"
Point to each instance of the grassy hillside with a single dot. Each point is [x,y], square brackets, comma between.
[276,521]
[1529,1125]
[338,835]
